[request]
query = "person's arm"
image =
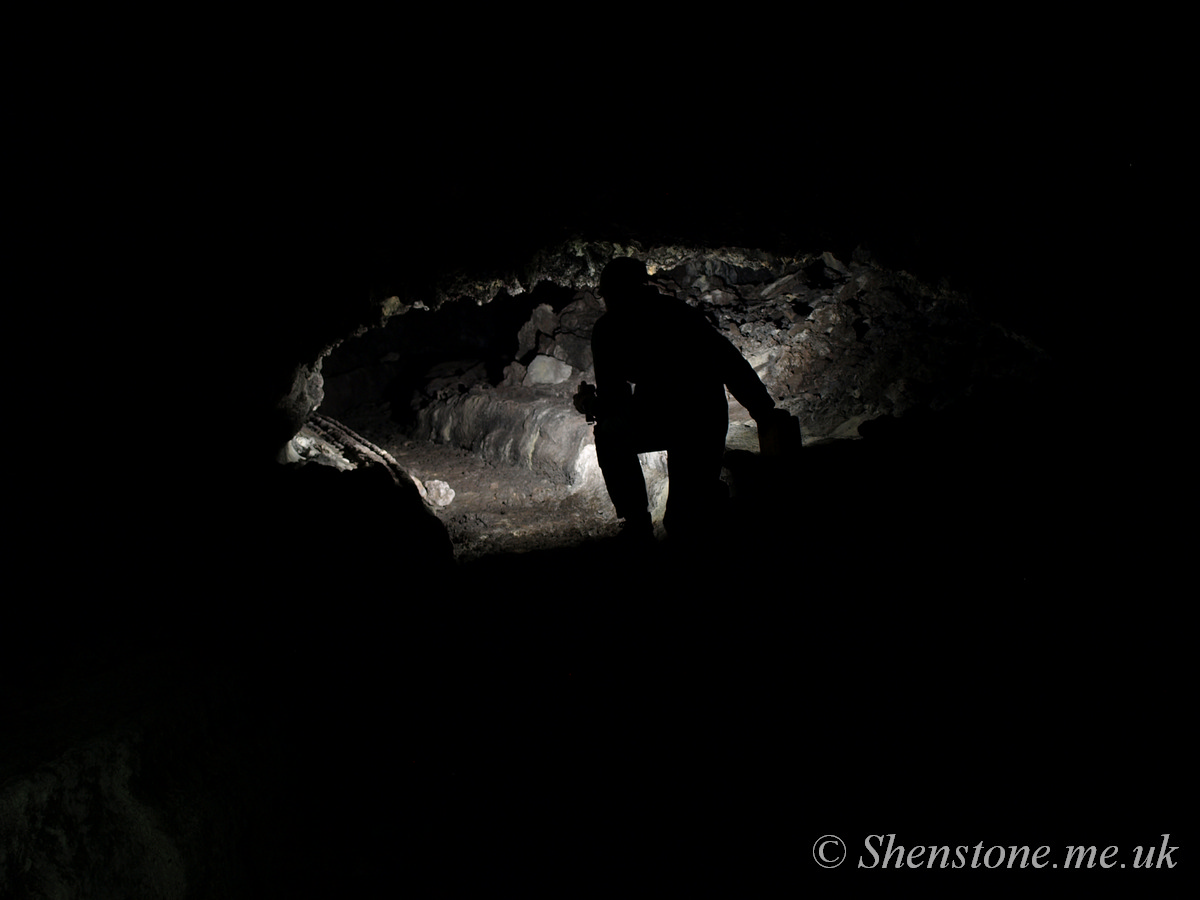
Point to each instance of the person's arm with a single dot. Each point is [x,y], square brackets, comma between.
[778,430]
[739,376]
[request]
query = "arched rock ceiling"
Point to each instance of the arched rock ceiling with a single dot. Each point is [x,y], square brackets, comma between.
[996,212]
[575,263]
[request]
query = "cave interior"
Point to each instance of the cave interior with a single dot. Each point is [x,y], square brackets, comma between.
[325,679]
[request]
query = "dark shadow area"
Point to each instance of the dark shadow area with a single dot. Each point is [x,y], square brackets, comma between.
[882,621]
[965,613]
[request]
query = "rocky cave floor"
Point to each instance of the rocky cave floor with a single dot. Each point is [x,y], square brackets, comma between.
[504,510]
[497,509]
[519,537]
[968,499]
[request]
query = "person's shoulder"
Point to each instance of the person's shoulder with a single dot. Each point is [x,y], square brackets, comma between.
[674,304]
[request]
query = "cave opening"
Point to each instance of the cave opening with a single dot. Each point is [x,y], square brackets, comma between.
[403,387]
[456,345]
[890,377]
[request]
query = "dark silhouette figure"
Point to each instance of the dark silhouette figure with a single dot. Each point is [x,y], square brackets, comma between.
[661,374]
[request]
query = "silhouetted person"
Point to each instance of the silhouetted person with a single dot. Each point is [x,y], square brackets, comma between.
[661,374]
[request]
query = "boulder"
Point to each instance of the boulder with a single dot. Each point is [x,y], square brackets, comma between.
[547,370]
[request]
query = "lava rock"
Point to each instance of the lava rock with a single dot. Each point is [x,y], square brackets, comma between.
[547,370]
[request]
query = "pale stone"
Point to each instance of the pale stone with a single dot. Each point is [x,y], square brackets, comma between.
[439,493]
[547,370]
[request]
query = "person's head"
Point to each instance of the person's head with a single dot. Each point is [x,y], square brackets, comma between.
[621,280]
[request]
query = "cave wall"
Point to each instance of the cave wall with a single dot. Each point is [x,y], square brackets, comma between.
[838,343]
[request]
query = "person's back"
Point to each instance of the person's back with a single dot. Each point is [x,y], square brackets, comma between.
[661,373]
[664,348]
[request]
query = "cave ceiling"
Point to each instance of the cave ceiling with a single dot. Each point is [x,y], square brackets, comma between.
[984,210]
[464,207]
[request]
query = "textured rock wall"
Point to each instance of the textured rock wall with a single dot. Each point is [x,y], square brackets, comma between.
[77,829]
[837,342]
[157,804]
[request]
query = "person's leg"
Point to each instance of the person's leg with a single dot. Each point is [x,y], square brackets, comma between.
[618,443]
[697,497]
[618,459]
